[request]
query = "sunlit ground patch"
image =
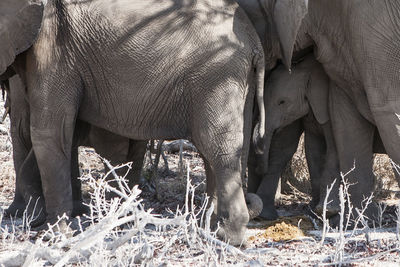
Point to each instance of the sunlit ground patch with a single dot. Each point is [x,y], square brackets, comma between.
[284,229]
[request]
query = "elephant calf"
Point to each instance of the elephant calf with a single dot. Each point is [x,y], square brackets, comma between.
[297,102]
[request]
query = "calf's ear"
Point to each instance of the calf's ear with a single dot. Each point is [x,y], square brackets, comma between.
[20,22]
[317,93]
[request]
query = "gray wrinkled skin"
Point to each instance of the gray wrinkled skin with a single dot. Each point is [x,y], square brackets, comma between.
[113,147]
[144,70]
[297,102]
[28,189]
[357,42]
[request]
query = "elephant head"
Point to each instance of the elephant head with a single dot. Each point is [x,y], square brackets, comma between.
[290,96]
[20,22]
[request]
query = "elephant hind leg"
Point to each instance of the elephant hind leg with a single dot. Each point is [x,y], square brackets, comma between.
[136,153]
[130,151]
[17,206]
[31,189]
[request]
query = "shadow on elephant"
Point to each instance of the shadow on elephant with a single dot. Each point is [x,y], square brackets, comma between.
[177,70]
[297,102]
[360,62]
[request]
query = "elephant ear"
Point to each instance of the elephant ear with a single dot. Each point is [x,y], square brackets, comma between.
[288,15]
[317,94]
[20,22]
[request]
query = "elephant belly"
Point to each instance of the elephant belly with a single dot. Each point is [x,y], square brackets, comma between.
[162,61]
[137,118]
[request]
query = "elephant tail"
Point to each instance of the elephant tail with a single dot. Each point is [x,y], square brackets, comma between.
[259,130]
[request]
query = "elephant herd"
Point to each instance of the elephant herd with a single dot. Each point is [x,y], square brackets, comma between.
[240,79]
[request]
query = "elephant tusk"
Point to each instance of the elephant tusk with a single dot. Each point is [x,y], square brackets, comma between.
[5,115]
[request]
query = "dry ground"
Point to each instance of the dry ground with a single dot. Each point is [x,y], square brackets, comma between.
[294,239]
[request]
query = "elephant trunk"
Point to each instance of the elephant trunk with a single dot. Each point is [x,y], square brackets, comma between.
[267,145]
[254,205]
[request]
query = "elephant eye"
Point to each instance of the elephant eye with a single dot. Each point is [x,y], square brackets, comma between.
[281,102]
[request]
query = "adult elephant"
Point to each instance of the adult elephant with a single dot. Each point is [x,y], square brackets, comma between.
[143,70]
[357,42]
[28,195]
[28,188]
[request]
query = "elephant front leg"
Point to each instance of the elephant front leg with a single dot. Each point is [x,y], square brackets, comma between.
[52,135]
[31,189]
[283,145]
[354,142]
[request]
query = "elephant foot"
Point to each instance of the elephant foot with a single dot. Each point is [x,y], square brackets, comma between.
[62,228]
[232,230]
[16,209]
[79,208]
[332,209]
[269,212]
[314,203]
[36,213]
[134,178]
[232,234]
[371,216]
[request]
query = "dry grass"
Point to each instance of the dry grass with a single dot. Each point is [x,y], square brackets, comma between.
[123,235]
